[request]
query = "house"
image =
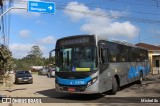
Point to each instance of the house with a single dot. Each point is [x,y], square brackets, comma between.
[154,56]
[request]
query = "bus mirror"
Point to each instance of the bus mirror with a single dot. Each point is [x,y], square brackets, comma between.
[50,55]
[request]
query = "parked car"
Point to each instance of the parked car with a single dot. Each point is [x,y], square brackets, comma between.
[23,77]
[10,72]
[51,72]
[43,71]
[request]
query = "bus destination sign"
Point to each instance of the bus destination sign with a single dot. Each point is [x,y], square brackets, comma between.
[73,41]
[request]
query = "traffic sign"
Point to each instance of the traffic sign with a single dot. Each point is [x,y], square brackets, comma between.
[40,6]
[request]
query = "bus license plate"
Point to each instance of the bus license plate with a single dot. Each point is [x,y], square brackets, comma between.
[71,89]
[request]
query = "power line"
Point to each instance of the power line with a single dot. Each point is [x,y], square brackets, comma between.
[121,17]
[119,10]
[146,1]
[148,38]
[91,5]
[137,12]
[62,5]
[134,3]
[122,10]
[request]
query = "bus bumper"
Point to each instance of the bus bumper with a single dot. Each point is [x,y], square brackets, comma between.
[92,89]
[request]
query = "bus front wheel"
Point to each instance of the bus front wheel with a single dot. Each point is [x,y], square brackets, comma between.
[114,86]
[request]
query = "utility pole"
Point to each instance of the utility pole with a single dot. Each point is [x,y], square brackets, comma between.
[1,17]
[1,3]
[139,38]
[1,7]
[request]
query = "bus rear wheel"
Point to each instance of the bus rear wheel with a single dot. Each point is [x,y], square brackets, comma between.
[114,86]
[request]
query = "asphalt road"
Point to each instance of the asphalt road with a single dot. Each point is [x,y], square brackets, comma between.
[45,87]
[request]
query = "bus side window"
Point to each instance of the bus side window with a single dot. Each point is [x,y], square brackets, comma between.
[103,55]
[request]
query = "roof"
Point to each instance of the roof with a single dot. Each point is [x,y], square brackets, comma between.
[148,46]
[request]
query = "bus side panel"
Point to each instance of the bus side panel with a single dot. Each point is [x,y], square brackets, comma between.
[132,72]
[127,72]
[123,73]
[105,79]
[107,75]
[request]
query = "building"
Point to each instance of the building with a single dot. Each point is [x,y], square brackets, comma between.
[36,68]
[154,56]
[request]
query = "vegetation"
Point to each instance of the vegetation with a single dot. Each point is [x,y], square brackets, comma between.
[34,58]
[5,62]
[5,59]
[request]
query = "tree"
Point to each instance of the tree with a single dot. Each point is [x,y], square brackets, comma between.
[35,56]
[35,52]
[5,59]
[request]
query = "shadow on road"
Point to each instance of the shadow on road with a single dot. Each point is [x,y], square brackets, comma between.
[21,83]
[15,89]
[144,88]
[52,93]
[147,87]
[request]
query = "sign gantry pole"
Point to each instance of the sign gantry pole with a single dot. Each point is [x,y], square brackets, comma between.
[11,9]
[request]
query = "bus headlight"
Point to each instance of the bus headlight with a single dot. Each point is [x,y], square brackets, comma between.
[92,81]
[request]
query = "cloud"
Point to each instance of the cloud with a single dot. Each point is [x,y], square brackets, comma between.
[100,22]
[117,13]
[24,33]
[21,50]
[71,10]
[47,40]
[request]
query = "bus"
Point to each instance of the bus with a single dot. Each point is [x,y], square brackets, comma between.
[93,64]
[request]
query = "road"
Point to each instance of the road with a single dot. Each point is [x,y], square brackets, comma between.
[45,87]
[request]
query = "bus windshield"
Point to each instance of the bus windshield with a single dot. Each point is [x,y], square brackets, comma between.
[77,59]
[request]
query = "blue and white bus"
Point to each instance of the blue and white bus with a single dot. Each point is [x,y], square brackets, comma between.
[94,64]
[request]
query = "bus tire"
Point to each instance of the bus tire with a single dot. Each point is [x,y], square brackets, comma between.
[114,86]
[140,78]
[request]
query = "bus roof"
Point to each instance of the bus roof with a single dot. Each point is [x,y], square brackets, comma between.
[124,42]
[75,36]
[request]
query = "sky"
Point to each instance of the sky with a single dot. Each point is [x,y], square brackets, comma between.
[125,20]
